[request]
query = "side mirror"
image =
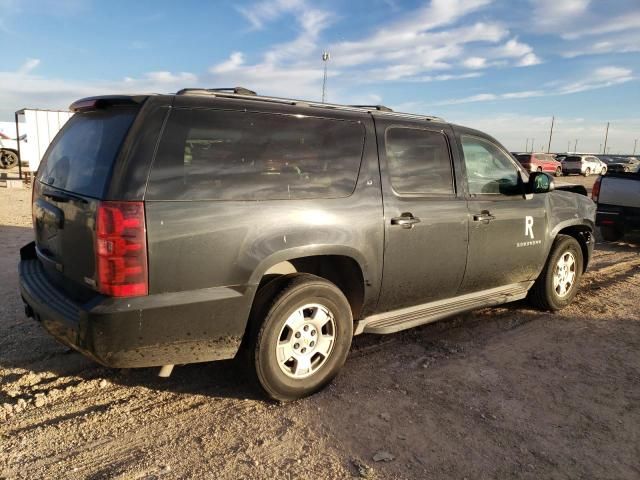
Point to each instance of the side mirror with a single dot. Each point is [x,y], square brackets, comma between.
[540,182]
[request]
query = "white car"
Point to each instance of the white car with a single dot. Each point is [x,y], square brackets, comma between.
[583,165]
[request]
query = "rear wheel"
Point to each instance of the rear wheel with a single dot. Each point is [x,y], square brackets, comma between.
[539,169]
[587,172]
[301,337]
[8,159]
[611,233]
[558,172]
[558,283]
[603,171]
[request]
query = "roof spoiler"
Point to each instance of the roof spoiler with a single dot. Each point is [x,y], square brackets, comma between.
[95,103]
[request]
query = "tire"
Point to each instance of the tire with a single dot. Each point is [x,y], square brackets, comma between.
[603,171]
[587,172]
[539,169]
[8,159]
[610,233]
[546,294]
[558,172]
[274,323]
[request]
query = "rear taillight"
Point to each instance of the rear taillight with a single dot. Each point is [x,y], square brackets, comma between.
[595,192]
[121,249]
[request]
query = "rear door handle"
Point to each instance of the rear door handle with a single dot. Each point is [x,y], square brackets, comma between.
[405,221]
[484,217]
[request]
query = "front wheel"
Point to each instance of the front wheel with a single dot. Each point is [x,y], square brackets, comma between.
[558,283]
[539,169]
[558,172]
[8,159]
[587,172]
[301,337]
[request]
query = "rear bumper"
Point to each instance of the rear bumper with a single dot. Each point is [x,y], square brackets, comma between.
[153,330]
[624,219]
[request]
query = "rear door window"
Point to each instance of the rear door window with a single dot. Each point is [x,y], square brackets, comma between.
[418,161]
[230,155]
[81,157]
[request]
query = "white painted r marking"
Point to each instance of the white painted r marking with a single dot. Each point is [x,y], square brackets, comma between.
[528,227]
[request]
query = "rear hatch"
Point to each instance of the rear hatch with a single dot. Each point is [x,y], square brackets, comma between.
[71,181]
[572,163]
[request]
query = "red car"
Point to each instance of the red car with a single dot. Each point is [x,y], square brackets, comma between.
[540,162]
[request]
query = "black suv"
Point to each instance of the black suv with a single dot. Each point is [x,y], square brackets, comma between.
[192,227]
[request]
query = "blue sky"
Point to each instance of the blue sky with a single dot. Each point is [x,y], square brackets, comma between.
[502,66]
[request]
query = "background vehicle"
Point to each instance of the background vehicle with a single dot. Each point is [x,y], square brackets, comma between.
[618,204]
[8,151]
[621,164]
[583,164]
[208,224]
[540,162]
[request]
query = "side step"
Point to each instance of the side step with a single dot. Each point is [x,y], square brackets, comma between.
[402,319]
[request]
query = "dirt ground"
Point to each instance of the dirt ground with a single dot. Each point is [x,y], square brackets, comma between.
[505,392]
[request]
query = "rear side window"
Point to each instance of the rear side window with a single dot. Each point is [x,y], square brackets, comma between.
[228,155]
[81,156]
[573,159]
[418,161]
[523,158]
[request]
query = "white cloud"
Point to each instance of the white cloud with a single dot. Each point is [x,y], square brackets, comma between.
[528,60]
[28,66]
[553,14]
[260,13]
[475,62]
[627,21]
[236,59]
[599,78]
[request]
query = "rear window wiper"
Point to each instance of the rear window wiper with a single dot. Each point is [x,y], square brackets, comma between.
[62,196]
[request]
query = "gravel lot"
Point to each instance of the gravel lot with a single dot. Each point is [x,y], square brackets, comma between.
[505,392]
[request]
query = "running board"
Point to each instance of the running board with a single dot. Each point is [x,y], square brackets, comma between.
[404,318]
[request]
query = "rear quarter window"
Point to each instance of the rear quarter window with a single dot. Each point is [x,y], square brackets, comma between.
[229,155]
[81,157]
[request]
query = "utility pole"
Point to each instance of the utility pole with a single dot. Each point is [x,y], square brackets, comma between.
[575,146]
[526,148]
[568,146]
[325,60]
[600,148]
[635,144]
[532,140]
[606,136]
[551,134]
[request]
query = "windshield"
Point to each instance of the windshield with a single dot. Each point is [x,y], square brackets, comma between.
[82,154]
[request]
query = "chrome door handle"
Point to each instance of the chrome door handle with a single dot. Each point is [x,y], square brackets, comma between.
[484,217]
[405,221]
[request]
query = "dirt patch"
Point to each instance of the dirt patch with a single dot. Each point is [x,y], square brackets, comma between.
[505,392]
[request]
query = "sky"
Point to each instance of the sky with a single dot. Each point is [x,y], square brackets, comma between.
[503,66]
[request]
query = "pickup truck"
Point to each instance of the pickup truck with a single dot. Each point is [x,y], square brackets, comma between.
[213,224]
[618,204]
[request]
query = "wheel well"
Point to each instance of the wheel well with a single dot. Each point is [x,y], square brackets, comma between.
[584,236]
[341,270]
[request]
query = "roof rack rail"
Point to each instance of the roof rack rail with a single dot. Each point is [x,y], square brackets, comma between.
[235,90]
[379,108]
[238,93]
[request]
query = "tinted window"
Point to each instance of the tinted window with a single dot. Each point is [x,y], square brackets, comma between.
[489,169]
[418,161]
[573,159]
[81,156]
[222,155]
[523,158]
